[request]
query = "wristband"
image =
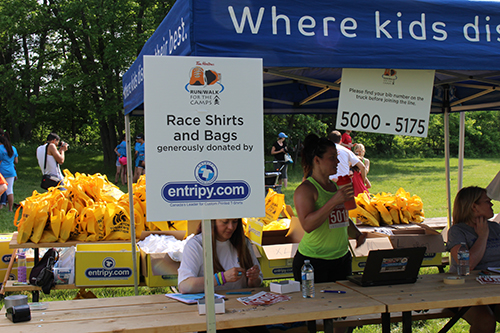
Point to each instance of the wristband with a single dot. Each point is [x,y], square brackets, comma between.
[223,278]
[217,279]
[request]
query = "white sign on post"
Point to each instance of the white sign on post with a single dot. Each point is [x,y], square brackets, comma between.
[391,101]
[204,138]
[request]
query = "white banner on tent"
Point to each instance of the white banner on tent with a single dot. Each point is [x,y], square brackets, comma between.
[390,101]
[204,138]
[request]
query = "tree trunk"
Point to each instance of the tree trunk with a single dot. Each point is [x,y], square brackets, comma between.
[108,141]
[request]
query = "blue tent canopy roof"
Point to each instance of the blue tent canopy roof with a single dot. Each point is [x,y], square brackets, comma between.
[305,44]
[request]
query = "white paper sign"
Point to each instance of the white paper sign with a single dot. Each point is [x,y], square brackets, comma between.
[204,138]
[391,101]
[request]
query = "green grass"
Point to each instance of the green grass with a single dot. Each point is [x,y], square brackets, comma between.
[86,160]
[423,177]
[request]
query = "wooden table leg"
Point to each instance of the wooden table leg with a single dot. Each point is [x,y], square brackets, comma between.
[311,326]
[328,325]
[386,322]
[407,322]
[454,319]
[35,294]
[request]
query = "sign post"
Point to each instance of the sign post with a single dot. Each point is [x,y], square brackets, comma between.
[204,149]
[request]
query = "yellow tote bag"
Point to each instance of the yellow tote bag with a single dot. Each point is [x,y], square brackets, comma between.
[116,222]
[67,225]
[99,213]
[25,224]
[275,204]
[139,219]
[41,219]
[52,228]
[95,223]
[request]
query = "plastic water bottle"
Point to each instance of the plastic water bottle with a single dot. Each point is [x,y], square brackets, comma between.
[307,280]
[21,267]
[463,260]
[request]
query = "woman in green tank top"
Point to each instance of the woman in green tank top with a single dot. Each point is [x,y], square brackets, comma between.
[320,208]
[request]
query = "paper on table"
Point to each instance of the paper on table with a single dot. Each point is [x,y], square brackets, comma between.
[190,298]
[488,279]
[494,269]
[263,298]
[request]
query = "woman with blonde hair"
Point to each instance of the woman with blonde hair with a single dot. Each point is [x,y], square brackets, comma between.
[471,210]
[357,179]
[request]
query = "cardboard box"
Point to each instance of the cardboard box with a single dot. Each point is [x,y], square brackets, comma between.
[407,235]
[5,252]
[284,287]
[188,226]
[276,253]
[13,273]
[104,264]
[220,306]
[255,230]
[158,269]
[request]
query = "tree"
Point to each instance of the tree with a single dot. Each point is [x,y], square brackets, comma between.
[62,62]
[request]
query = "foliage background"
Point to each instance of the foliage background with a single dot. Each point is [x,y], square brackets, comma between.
[61,64]
[482,139]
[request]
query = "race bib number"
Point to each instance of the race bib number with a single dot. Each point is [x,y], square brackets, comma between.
[339,217]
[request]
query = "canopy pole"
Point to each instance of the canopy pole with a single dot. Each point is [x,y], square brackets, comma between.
[461,149]
[206,228]
[131,203]
[446,111]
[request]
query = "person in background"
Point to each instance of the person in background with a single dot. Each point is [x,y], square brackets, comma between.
[3,185]
[140,162]
[234,262]
[471,211]
[8,157]
[55,157]
[359,151]
[3,196]
[357,181]
[279,150]
[347,140]
[121,161]
[320,209]
[347,159]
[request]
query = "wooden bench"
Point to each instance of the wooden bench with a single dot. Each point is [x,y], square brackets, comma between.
[372,319]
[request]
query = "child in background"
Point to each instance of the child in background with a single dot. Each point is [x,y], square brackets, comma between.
[121,161]
[357,180]
[140,163]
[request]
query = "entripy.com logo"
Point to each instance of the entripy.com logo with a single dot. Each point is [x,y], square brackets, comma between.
[6,258]
[206,188]
[108,271]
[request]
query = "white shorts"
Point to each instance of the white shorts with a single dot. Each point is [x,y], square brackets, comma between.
[10,185]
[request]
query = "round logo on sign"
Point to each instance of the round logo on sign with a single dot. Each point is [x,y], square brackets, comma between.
[206,173]
[108,263]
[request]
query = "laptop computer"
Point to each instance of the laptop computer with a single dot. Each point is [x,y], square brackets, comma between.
[388,267]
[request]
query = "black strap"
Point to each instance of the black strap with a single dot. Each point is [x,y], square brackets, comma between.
[45,160]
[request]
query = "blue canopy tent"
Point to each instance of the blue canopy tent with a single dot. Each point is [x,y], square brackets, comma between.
[305,44]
